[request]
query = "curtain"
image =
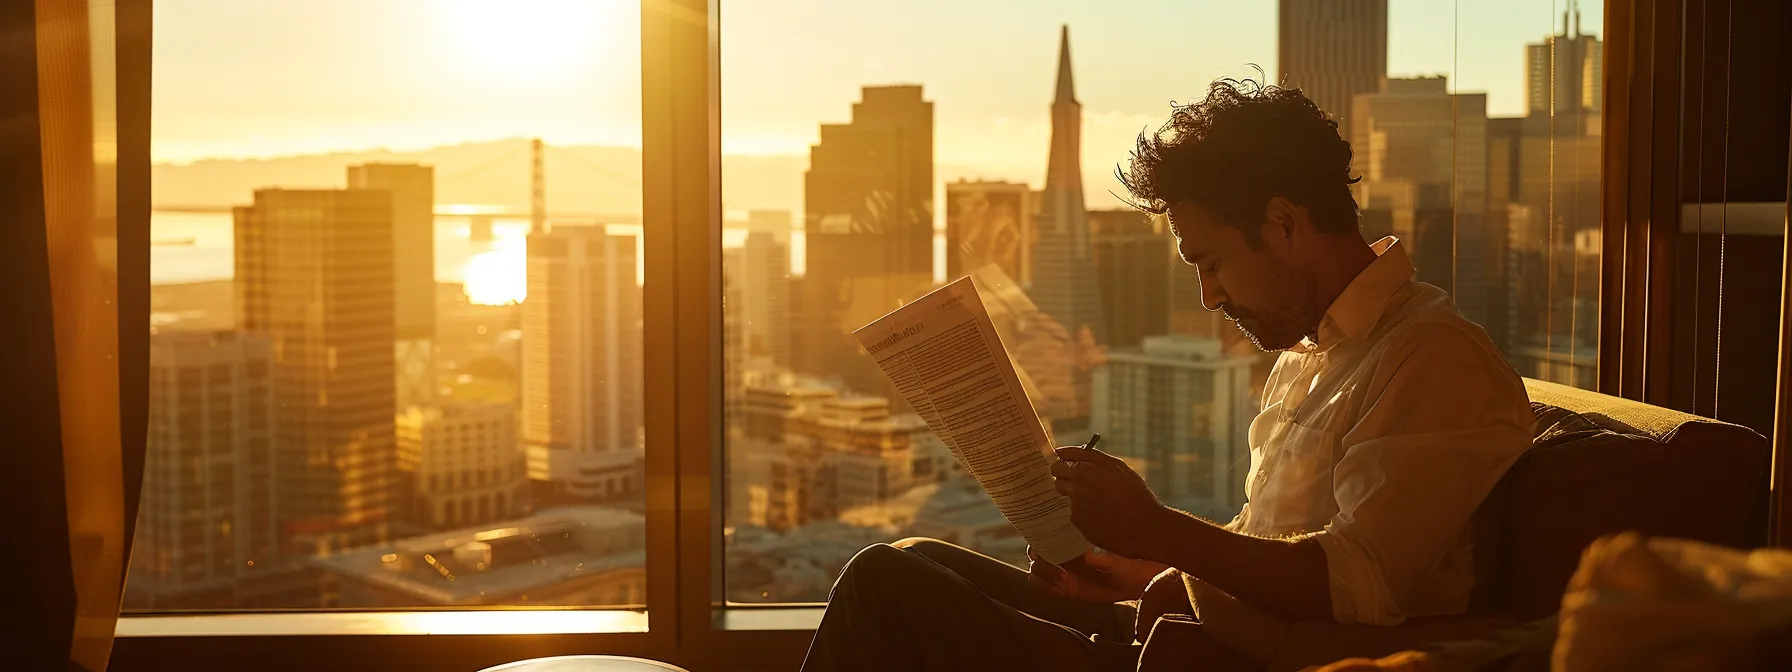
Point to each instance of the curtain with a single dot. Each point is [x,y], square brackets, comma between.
[74,276]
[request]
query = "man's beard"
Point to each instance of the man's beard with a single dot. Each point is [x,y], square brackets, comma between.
[1297,318]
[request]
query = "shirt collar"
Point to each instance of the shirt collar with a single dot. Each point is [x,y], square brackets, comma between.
[1360,306]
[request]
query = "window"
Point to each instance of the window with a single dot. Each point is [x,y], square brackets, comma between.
[858,181]
[349,200]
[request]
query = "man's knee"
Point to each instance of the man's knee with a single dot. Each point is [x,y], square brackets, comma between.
[873,571]
[880,561]
[926,545]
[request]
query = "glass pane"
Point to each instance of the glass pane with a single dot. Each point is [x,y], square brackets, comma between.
[857,181]
[1528,269]
[395,351]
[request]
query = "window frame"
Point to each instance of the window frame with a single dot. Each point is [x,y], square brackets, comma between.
[688,621]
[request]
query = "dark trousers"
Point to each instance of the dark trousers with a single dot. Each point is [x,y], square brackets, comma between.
[922,604]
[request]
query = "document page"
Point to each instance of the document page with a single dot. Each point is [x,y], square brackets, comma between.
[944,356]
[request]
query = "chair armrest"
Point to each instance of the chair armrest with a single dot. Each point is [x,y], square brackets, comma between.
[1311,643]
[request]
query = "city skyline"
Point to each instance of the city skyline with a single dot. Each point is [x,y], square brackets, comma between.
[994,94]
[526,422]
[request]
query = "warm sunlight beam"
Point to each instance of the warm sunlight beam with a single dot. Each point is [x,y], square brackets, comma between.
[528,38]
[497,276]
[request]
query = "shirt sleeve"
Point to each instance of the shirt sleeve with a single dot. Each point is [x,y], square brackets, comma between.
[1442,419]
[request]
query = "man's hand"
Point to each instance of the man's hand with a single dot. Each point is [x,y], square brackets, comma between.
[1099,577]
[1110,504]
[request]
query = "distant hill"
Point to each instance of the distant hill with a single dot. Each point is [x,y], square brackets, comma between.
[582,179]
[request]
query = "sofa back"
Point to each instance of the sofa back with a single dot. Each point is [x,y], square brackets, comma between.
[1600,464]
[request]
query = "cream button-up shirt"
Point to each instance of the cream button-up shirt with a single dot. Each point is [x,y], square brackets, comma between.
[1385,432]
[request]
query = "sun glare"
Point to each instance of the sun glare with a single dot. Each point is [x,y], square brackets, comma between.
[526,38]
[498,276]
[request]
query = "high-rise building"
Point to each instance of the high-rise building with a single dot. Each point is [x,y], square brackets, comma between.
[413,189]
[462,464]
[581,369]
[990,222]
[1063,282]
[1422,152]
[1333,50]
[1132,268]
[761,278]
[314,275]
[1564,79]
[1177,409]
[1505,137]
[206,521]
[1554,205]
[868,229]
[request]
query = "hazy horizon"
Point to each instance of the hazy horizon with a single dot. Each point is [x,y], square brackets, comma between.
[406,76]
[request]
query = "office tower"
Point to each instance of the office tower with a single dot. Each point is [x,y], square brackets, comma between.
[462,464]
[314,275]
[1555,205]
[413,237]
[1178,410]
[413,190]
[1063,282]
[1564,78]
[206,521]
[1333,50]
[582,364]
[989,222]
[761,271]
[1505,137]
[1422,152]
[1132,268]
[868,228]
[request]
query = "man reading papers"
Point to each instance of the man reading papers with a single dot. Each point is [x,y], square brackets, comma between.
[1387,419]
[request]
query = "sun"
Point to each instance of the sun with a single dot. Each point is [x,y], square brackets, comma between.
[528,38]
[498,276]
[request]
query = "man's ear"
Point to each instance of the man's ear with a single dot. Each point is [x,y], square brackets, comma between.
[1281,218]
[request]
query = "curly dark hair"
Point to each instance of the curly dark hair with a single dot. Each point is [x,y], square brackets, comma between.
[1243,144]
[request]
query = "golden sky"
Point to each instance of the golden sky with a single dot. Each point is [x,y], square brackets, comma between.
[259,78]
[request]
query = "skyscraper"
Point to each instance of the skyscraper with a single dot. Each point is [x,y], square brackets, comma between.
[1333,50]
[1422,152]
[314,275]
[762,297]
[868,225]
[1132,268]
[581,363]
[1564,78]
[1177,409]
[414,267]
[990,222]
[1555,209]
[207,518]
[1063,271]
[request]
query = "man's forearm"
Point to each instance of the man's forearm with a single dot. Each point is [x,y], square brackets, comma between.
[1286,578]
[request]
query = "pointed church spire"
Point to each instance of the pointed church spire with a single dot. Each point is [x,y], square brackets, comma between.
[1066,86]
